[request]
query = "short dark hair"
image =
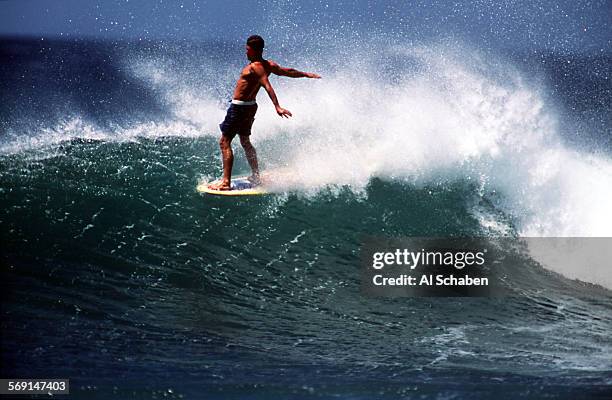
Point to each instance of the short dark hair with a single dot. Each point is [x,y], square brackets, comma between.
[255,42]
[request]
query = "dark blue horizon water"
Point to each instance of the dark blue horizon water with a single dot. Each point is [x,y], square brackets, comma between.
[118,275]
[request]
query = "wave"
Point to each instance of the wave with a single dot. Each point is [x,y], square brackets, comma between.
[445,114]
[413,115]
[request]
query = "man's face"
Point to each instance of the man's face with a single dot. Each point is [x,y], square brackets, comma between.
[251,53]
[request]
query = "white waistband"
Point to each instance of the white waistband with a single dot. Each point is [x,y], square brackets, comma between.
[243,103]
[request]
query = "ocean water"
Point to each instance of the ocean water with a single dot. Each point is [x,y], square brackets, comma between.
[118,275]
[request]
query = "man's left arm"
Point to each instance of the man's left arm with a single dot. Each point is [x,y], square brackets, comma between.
[292,72]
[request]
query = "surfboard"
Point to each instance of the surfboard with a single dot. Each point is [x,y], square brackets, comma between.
[240,187]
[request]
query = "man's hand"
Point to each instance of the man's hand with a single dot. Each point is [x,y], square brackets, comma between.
[311,75]
[282,112]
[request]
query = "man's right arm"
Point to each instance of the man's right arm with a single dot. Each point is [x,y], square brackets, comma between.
[265,82]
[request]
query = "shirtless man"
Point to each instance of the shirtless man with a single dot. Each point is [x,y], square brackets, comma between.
[241,113]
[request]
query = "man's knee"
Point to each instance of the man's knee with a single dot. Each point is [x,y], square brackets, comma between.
[225,142]
[245,141]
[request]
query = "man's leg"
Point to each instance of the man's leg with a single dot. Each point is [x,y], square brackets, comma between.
[251,156]
[228,161]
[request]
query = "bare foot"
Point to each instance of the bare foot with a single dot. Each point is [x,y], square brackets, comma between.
[220,186]
[254,179]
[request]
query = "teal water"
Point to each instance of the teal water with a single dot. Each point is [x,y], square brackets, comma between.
[117,274]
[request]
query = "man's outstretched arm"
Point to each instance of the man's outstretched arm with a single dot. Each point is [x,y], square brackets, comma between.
[265,82]
[291,72]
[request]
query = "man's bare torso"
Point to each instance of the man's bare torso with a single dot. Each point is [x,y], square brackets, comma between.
[248,83]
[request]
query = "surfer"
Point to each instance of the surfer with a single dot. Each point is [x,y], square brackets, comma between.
[241,112]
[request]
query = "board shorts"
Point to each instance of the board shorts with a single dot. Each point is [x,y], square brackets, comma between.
[238,120]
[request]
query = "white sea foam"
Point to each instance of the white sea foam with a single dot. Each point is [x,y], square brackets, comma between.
[460,118]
